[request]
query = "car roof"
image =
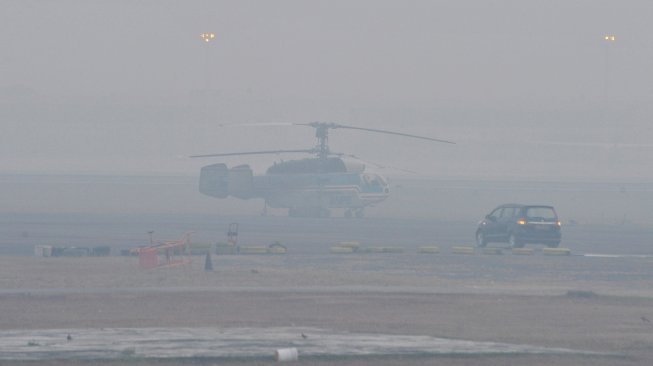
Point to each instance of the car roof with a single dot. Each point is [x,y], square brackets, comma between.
[519,205]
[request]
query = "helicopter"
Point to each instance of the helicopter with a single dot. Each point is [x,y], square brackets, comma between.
[308,187]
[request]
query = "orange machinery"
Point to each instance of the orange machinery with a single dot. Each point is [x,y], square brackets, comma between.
[167,254]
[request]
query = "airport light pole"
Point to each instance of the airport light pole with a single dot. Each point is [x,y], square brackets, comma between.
[151,232]
[608,39]
[207,38]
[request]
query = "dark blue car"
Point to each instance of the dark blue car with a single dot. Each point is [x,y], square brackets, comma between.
[519,225]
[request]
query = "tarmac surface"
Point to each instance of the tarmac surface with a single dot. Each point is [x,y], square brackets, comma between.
[593,307]
[19,233]
[232,344]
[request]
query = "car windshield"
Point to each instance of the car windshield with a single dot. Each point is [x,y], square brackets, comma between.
[541,213]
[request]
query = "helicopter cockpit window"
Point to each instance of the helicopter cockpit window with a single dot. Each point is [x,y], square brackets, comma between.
[366,179]
[372,183]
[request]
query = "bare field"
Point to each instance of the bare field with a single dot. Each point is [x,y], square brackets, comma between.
[578,303]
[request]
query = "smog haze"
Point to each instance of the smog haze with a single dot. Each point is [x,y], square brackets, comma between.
[527,89]
[527,241]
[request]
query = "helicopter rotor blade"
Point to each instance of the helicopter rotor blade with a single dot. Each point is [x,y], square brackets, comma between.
[321,128]
[380,166]
[308,151]
[390,133]
[257,124]
[330,125]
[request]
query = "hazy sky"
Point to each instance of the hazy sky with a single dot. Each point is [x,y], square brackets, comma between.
[445,50]
[114,86]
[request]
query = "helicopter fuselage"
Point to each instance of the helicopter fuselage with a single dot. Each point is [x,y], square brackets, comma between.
[306,187]
[327,190]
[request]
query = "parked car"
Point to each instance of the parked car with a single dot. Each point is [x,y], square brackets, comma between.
[519,225]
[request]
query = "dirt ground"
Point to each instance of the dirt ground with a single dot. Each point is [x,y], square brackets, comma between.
[589,304]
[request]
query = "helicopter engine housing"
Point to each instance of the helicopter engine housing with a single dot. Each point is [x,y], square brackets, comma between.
[217,180]
[240,182]
[214,180]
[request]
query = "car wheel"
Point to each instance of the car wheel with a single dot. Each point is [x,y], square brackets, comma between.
[480,240]
[554,245]
[514,242]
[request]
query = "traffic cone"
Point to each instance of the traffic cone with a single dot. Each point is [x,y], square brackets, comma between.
[208,264]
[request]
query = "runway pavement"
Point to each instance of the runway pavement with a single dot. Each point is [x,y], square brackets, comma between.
[19,233]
